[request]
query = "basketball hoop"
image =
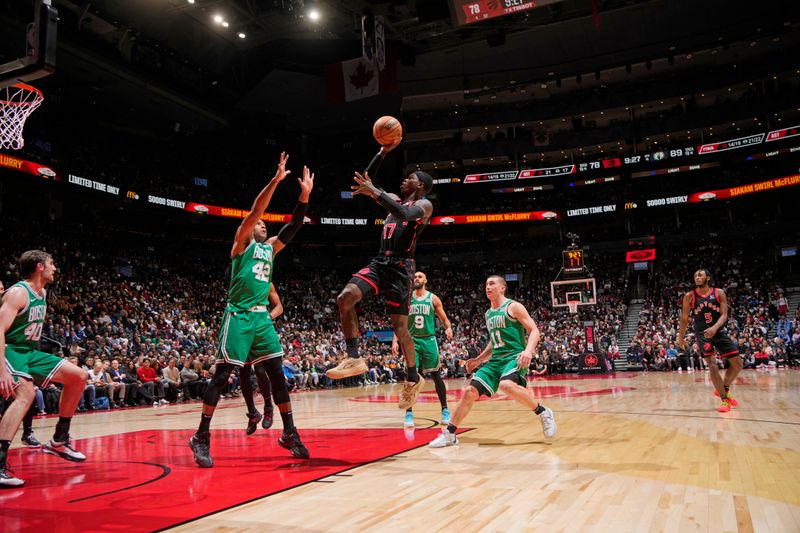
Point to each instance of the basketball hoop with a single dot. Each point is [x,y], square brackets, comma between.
[17,102]
[573,307]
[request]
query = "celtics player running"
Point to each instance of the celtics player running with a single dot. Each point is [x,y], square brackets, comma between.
[710,308]
[507,357]
[247,332]
[21,320]
[424,304]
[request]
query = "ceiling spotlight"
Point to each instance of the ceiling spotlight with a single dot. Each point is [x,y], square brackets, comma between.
[225,24]
[313,15]
[218,19]
[190,1]
[242,35]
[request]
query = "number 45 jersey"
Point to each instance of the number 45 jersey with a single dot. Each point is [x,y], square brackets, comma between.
[26,330]
[251,277]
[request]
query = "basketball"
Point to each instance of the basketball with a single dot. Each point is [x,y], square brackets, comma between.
[387,130]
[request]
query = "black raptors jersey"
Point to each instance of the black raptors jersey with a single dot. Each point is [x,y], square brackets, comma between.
[706,310]
[400,238]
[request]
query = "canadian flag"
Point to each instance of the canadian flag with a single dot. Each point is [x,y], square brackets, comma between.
[355,79]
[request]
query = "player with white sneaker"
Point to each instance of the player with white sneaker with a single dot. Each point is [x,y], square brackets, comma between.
[22,317]
[507,357]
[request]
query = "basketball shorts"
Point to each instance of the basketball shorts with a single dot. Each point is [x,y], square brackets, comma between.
[720,342]
[390,276]
[247,337]
[33,365]
[487,378]
[427,352]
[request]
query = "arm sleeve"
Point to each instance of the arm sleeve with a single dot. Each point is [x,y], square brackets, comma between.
[287,232]
[403,212]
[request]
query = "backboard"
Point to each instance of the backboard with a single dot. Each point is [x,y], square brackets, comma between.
[35,50]
[577,291]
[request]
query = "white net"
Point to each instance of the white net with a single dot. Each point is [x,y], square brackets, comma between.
[573,307]
[17,102]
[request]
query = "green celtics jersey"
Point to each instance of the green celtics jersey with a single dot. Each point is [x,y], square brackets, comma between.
[420,316]
[26,330]
[251,276]
[507,335]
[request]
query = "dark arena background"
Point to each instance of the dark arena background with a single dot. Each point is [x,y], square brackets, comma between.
[602,158]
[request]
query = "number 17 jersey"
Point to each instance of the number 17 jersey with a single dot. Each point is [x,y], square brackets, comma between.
[400,237]
[251,277]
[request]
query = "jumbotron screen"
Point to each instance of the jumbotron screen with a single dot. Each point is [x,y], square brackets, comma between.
[471,11]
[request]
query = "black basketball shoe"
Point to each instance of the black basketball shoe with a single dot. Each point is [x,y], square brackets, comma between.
[9,480]
[266,423]
[200,443]
[291,441]
[30,440]
[252,423]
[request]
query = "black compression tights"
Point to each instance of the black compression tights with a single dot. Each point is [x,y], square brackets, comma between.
[218,384]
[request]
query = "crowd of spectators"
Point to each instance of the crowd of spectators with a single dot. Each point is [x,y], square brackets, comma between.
[143,320]
[759,318]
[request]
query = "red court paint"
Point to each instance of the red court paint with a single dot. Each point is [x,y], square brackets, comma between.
[147,480]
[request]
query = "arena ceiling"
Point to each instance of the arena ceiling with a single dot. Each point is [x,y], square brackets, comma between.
[214,69]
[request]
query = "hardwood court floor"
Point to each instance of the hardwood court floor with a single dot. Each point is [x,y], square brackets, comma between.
[635,452]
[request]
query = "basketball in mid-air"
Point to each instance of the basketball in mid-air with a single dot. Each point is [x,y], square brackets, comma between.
[387,130]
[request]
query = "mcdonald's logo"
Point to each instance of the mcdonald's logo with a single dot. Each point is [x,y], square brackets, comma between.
[630,205]
[130,195]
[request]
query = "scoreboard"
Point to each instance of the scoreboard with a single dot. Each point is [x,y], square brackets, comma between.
[573,261]
[471,11]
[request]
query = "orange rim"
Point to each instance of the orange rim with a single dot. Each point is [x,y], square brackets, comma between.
[25,87]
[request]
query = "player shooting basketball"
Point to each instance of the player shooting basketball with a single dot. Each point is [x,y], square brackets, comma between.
[390,272]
